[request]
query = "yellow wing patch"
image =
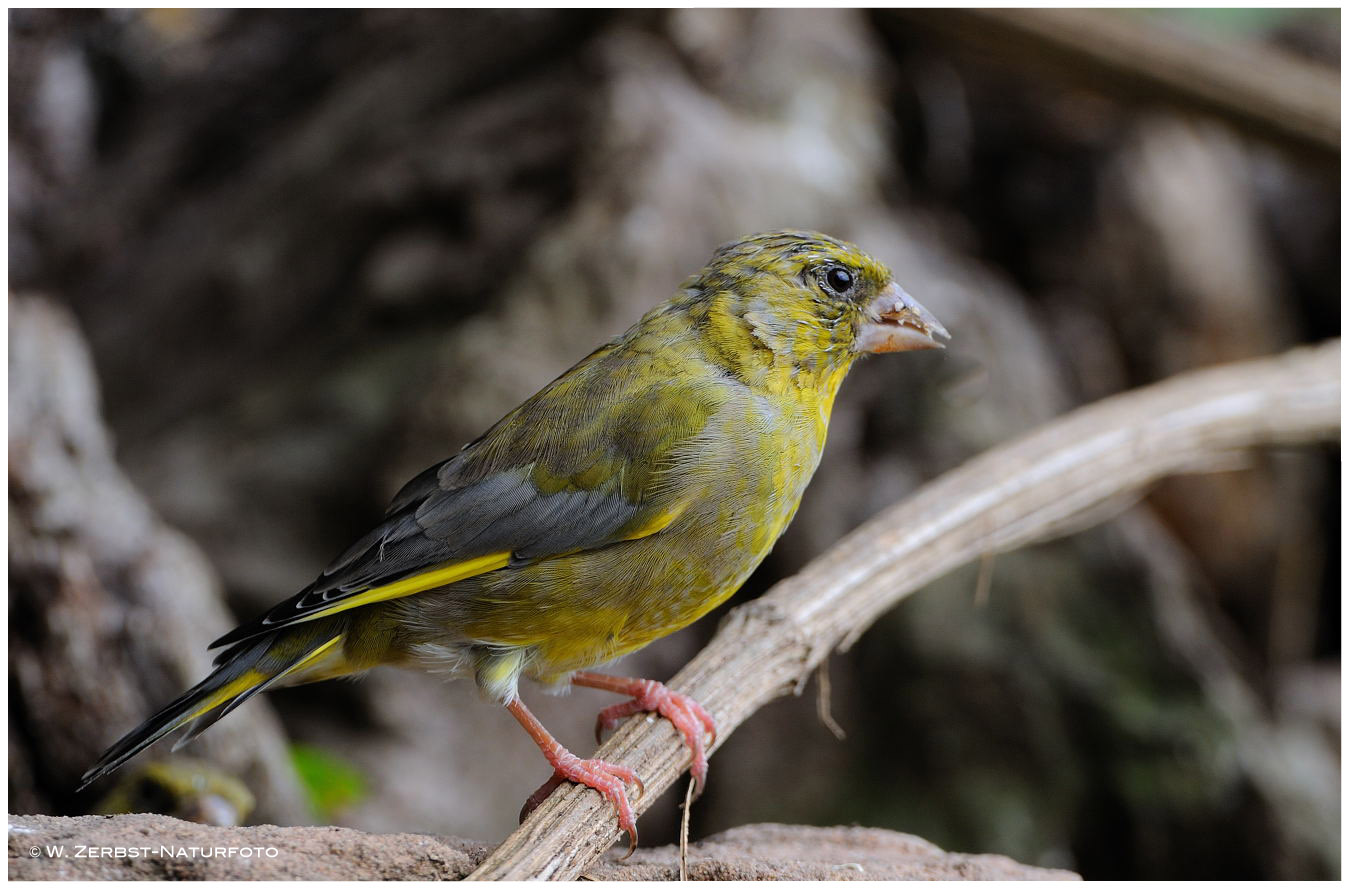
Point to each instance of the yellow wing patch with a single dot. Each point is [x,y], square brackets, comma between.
[659,522]
[417,583]
[250,678]
[229,692]
[312,656]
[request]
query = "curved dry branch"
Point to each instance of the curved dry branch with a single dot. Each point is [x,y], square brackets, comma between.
[1029,489]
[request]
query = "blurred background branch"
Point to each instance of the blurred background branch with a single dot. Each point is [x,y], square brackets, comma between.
[1265,92]
[111,609]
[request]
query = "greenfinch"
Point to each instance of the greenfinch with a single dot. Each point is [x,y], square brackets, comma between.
[626,499]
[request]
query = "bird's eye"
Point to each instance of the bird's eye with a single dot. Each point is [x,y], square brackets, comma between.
[839,280]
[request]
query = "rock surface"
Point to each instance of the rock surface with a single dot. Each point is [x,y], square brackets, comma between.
[798,852]
[122,847]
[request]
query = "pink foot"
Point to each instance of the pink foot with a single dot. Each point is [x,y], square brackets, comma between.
[686,714]
[607,778]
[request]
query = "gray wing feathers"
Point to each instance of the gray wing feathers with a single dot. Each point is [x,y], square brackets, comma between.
[433,525]
[506,513]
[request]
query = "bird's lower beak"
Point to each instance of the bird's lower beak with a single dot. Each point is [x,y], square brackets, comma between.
[896,322]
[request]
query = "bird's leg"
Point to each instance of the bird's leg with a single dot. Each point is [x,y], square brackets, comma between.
[605,777]
[687,715]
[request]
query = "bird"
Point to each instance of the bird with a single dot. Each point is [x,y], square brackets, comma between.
[626,499]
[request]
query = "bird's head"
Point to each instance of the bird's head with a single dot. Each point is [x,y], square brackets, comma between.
[811,299]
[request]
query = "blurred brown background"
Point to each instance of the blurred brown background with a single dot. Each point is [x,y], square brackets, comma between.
[312,253]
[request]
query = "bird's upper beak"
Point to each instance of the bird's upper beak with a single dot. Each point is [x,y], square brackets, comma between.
[896,322]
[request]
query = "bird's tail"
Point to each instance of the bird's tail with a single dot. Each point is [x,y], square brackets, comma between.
[241,672]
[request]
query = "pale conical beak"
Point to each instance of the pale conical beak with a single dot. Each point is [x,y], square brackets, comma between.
[896,322]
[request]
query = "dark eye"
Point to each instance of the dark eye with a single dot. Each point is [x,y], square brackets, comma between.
[838,280]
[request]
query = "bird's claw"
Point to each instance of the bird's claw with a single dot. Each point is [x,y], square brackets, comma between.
[607,778]
[689,718]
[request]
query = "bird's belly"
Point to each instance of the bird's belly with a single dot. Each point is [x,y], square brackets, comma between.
[578,611]
[588,608]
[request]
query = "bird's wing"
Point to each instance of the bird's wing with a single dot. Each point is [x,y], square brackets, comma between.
[558,475]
